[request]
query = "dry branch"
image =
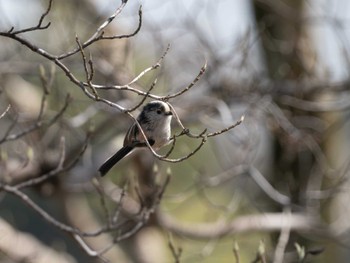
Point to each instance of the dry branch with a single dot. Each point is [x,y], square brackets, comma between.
[31,249]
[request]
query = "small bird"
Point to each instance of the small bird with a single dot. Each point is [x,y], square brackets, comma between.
[155,120]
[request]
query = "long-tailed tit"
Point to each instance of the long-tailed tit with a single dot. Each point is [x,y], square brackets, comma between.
[154,120]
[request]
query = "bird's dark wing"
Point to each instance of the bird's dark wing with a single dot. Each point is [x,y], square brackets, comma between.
[135,139]
[107,165]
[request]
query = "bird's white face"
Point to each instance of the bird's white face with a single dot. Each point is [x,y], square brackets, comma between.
[155,120]
[154,113]
[158,107]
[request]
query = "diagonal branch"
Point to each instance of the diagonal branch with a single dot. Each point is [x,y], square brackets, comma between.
[99,34]
[37,124]
[268,222]
[39,26]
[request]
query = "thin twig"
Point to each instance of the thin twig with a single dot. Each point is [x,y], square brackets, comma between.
[38,26]
[116,213]
[59,169]
[282,240]
[103,202]
[268,188]
[143,98]
[99,34]
[26,199]
[197,78]
[42,104]
[236,252]
[88,68]
[227,128]
[128,35]
[143,93]
[88,249]
[5,111]
[138,77]
[37,124]
[175,251]
[154,66]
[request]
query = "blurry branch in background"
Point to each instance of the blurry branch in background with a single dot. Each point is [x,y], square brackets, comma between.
[140,219]
[268,189]
[261,253]
[175,251]
[57,58]
[282,240]
[5,111]
[31,249]
[36,125]
[268,222]
[61,167]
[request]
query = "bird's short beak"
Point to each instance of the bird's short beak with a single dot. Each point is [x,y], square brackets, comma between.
[168,113]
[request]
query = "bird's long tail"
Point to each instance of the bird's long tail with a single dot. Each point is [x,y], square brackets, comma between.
[107,165]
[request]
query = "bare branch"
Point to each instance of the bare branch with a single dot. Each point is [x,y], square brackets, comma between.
[2,115]
[99,34]
[25,198]
[120,204]
[100,192]
[103,26]
[236,251]
[339,104]
[59,169]
[138,77]
[144,97]
[128,35]
[267,187]
[198,77]
[31,248]
[282,241]
[39,26]
[155,66]
[227,128]
[175,251]
[266,222]
[89,69]
[37,124]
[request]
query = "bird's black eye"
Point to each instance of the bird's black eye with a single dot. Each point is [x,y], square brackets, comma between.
[159,111]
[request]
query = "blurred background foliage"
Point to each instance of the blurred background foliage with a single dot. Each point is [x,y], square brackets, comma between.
[281,64]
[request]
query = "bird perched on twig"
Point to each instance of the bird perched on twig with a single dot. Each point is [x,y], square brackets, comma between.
[154,119]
